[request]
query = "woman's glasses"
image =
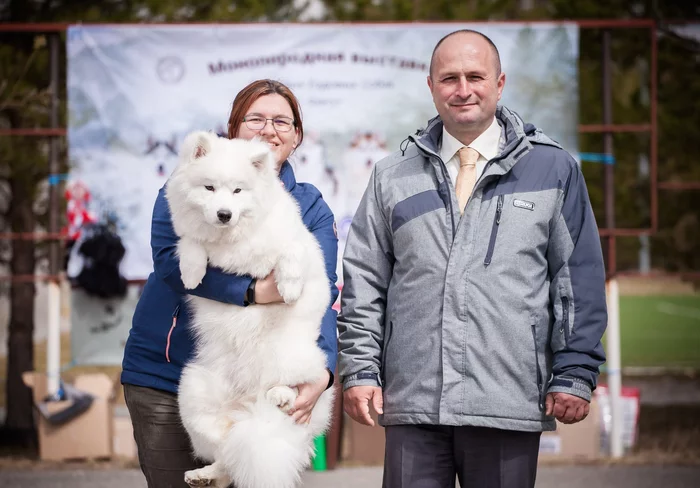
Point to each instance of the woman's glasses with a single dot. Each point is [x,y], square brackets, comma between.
[258,122]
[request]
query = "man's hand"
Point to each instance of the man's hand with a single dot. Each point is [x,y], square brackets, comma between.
[568,409]
[356,401]
[309,394]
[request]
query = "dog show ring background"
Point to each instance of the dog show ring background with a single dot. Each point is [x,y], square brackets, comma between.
[134,92]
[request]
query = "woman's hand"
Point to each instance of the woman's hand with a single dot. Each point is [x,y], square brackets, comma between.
[266,290]
[309,394]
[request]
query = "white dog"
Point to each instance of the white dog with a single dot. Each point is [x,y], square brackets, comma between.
[231,211]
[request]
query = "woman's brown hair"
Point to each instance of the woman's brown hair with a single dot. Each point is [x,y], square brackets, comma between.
[248,95]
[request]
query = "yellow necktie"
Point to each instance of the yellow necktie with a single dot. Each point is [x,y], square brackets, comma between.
[466,177]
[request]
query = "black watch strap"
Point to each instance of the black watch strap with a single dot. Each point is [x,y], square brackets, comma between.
[250,293]
[331,378]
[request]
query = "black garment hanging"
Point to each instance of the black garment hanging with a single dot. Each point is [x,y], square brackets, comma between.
[102,251]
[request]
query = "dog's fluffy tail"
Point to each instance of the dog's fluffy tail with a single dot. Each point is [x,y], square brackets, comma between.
[266,449]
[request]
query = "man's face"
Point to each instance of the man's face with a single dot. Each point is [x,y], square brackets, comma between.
[464,83]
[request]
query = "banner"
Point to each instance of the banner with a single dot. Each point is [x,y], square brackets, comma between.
[135,91]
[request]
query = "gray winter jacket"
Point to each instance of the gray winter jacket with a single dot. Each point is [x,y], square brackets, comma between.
[473,319]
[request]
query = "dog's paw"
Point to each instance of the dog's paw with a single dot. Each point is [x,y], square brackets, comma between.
[282,397]
[290,289]
[199,477]
[212,475]
[193,262]
[191,277]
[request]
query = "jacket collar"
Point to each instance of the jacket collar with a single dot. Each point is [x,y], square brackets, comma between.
[519,138]
[287,176]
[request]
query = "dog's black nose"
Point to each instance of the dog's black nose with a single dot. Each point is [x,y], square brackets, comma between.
[224,215]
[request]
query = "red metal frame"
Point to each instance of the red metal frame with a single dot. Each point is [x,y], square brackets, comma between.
[689,275]
[33,236]
[29,278]
[596,128]
[39,132]
[675,185]
[584,23]
[624,232]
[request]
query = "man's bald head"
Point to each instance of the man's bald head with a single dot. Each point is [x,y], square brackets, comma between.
[496,55]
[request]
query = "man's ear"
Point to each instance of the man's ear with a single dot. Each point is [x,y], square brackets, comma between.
[197,145]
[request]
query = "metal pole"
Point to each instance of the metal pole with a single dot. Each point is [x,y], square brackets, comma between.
[614,378]
[653,87]
[609,181]
[53,346]
[53,155]
[613,333]
[643,174]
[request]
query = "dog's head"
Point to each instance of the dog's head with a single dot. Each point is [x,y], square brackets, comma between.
[220,179]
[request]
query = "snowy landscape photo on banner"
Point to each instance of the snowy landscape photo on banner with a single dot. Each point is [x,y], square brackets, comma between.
[134,92]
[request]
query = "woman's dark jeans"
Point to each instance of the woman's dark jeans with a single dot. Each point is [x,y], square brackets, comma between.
[165,452]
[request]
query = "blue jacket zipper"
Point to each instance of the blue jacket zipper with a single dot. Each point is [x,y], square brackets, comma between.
[176,313]
[494,230]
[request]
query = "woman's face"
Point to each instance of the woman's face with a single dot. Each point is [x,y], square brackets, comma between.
[276,108]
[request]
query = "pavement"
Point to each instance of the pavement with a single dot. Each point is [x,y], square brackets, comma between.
[590,476]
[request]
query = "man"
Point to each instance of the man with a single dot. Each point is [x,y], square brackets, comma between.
[473,304]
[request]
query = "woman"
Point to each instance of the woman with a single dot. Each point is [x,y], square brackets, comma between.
[265,109]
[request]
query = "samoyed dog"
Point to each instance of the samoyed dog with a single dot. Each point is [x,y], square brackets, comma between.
[231,211]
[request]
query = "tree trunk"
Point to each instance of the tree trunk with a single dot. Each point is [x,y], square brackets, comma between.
[20,344]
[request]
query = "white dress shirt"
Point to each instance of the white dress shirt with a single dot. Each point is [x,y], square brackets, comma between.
[486,145]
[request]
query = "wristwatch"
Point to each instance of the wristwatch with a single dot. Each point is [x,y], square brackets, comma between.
[249,298]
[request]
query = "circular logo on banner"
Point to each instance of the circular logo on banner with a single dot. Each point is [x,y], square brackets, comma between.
[170,69]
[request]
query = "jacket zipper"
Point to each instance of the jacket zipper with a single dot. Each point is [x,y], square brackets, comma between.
[170,332]
[446,178]
[565,319]
[494,231]
[537,366]
[387,338]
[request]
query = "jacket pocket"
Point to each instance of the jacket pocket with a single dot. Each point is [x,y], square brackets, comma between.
[176,314]
[494,230]
[565,320]
[540,380]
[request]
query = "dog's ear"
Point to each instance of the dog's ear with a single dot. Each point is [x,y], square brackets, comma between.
[260,155]
[197,145]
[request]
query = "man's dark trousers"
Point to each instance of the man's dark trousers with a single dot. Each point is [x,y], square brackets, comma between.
[430,456]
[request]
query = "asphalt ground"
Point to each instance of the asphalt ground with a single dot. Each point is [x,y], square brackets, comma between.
[589,476]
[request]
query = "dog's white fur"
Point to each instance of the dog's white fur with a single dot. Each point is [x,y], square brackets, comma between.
[236,393]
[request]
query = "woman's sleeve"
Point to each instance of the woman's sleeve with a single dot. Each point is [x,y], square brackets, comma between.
[324,230]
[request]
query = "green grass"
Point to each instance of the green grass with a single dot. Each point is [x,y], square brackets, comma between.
[660,331]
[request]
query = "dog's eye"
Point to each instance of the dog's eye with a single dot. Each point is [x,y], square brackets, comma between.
[209,187]
[237,190]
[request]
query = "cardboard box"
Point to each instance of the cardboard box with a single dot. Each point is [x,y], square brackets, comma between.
[86,436]
[570,442]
